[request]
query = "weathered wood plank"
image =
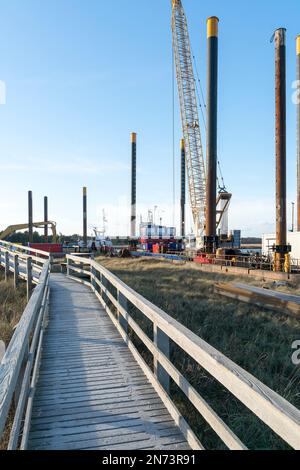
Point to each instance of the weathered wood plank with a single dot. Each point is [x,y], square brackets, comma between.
[88,404]
[94,406]
[83,416]
[91,428]
[136,441]
[265,298]
[137,444]
[87,387]
[82,396]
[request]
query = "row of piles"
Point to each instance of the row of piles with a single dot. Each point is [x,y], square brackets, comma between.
[281,248]
[30,218]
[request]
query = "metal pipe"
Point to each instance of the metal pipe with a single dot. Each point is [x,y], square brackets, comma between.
[85,216]
[183,189]
[298,131]
[281,248]
[46,219]
[133,186]
[212,122]
[30,217]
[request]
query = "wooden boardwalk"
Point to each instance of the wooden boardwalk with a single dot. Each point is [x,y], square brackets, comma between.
[91,393]
[77,380]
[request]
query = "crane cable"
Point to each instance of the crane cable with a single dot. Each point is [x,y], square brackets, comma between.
[198,85]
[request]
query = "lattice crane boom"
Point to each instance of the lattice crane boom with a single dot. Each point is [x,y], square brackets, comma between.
[189,116]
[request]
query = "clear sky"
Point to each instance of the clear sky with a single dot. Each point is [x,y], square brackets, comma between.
[81,75]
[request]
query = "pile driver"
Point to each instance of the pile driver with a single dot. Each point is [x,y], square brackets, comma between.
[208,209]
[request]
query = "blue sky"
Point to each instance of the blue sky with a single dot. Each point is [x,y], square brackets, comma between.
[81,75]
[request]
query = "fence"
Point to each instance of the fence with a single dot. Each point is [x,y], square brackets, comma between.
[25,250]
[251,262]
[19,366]
[22,264]
[278,414]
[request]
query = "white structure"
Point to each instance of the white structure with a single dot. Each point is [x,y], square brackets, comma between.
[150,230]
[293,239]
[223,207]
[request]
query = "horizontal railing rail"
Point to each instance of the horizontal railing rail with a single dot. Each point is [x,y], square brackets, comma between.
[22,266]
[276,412]
[25,250]
[284,302]
[18,368]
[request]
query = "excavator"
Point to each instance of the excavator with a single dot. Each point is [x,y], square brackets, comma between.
[195,161]
[14,228]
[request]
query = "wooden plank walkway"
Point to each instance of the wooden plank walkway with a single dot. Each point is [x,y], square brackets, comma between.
[91,393]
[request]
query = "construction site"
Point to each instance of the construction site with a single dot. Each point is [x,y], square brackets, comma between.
[191,304]
[201,181]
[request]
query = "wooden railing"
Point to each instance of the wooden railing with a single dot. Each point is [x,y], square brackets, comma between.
[277,413]
[23,265]
[20,249]
[18,368]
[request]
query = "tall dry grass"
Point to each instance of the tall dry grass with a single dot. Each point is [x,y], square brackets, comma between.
[12,305]
[258,340]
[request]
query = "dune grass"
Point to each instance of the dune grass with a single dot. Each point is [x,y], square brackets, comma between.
[256,339]
[12,305]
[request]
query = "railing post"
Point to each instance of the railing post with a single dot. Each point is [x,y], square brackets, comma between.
[29,277]
[102,285]
[162,342]
[123,303]
[68,266]
[93,275]
[16,270]
[6,265]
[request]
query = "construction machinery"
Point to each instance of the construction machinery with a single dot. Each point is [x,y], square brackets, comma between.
[189,115]
[15,228]
[200,194]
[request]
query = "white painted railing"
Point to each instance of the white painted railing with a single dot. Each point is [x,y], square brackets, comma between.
[18,368]
[22,265]
[277,413]
[34,252]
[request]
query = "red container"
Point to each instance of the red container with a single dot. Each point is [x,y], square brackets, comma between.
[203,260]
[48,247]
